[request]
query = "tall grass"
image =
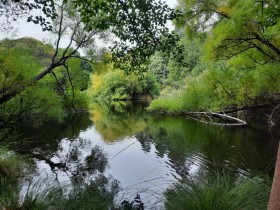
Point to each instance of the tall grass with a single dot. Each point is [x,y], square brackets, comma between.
[11,166]
[219,192]
[9,193]
[92,196]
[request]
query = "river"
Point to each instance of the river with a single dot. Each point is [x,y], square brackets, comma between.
[139,153]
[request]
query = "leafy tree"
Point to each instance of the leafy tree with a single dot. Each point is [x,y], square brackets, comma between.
[140,25]
[116,85]
[18,66]
[158,65]
[67,24]
[237,27]
[12,10]
[198,16]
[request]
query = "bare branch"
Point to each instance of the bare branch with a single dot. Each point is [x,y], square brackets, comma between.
[72,87]
[58,83]
[59,33]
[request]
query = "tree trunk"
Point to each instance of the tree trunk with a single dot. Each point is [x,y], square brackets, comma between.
[274,199]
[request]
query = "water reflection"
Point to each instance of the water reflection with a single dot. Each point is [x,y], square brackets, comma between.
[117,120]
[141,154]
[242,148]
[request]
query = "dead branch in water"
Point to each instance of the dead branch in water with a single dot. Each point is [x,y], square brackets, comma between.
[270,119]
[233,120]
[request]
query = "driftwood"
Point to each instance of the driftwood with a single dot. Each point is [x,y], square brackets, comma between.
[228,120]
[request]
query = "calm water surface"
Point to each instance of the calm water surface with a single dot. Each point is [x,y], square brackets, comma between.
[137,153]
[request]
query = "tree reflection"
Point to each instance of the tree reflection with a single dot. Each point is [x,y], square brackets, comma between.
[80,159]
[97,160]
[193,146]
[117,120]
[145,140]
[44,137]
[87,187]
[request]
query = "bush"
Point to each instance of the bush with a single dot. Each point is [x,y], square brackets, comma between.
[116,85]
[169,104]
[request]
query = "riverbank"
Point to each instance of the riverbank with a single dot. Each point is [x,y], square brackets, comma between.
[269,112]
[216,191]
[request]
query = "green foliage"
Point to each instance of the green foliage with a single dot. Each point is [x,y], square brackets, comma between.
[91,196]
[20,61]
[169,104]
[245,36]
[251,30]
[233,64]
[86,66]
[19,65]
[139,25]
[200,15]
[169,72]
[219,192]
[158,65]
[41,53]
[222,87]
[114,84]
[109,86]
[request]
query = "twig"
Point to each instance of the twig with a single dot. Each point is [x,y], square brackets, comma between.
[122,150]
[270,122]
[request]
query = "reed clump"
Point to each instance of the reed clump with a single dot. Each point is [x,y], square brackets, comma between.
[219,192]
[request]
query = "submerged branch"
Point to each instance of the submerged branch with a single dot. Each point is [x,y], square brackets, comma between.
[270,120]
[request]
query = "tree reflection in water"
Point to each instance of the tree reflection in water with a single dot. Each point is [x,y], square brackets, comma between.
[77,168]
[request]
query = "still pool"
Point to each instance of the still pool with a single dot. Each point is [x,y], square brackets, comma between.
[136,153]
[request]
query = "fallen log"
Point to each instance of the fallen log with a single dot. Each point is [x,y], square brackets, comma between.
[229,120]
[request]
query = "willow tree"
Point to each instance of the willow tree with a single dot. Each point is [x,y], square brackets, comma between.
[249,28]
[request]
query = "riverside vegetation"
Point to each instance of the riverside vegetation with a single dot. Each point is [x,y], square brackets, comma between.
[223,56]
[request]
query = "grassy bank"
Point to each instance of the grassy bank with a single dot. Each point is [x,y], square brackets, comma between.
[218,89]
